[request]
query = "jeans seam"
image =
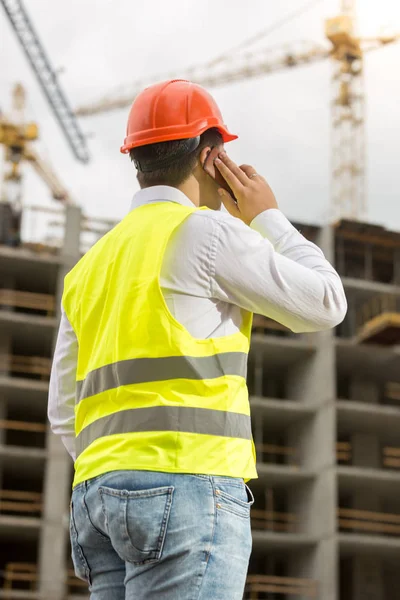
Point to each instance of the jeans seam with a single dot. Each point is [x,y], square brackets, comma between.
[164,525]
[234,500]
[161,491]
[234,512]
[208,553]
[79,548]
[103,510]
[97,531]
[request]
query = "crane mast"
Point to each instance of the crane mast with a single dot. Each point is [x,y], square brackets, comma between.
[348,117]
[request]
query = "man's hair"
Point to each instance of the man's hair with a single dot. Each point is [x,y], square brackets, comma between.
[177,171]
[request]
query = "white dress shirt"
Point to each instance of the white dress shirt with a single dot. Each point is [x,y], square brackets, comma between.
[214,265]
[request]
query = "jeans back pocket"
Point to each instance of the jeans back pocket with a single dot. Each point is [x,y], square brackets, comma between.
[233,497]
[137,521]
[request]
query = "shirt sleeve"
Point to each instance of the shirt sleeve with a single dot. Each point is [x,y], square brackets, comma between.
[62,388]
[271,269]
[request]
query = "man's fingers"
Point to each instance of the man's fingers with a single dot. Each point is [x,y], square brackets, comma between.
[248,170]
[230,177]
[229,203]
[232,166]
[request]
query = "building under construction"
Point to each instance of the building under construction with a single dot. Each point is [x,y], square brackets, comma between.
[326,423]
[325,407]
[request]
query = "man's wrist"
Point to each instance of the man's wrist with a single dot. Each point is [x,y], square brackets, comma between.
[271,224]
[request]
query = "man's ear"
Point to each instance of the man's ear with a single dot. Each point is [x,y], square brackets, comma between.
[204,154]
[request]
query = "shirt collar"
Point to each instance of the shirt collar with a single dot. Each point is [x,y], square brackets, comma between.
[160,193]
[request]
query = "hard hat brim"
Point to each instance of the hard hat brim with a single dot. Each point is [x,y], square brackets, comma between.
[168,134]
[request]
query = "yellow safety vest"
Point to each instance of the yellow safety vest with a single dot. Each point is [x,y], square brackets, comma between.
[149,395]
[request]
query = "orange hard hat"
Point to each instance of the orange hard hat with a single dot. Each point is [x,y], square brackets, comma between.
[172,110]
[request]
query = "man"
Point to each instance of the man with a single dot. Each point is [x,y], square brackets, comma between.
[148,387]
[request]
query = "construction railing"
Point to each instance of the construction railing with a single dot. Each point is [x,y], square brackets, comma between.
[258,585]
[24,426]
[17,502]
[74,584]
[29,300]
[390,457]
[273,520]
[343,452]
[286,454]
[392,391]
[19,575]
[378,320]
[366,521]
[36,366]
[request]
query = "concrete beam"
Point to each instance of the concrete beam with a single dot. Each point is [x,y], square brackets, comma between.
[54,533]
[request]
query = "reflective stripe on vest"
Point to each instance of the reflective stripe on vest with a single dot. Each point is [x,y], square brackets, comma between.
[145,370]
[167,418]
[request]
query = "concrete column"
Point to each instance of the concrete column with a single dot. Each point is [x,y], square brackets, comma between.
[54,532]
[57,481]
[313,381]
[368,574]
[368,263]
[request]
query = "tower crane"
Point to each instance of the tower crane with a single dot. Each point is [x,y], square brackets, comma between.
[15,136]
[46,76]
[346,50]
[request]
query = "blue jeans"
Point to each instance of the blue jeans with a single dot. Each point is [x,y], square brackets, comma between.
[144,534]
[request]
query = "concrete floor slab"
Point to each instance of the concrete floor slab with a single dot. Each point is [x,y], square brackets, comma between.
[363,289]
[14,528]
[268,540]
[21,459]
[33,334]
[353,544]
[29,396]
[384,484]
[283,476]
[364,417]
[19,595]
[381,363]
[280,352]
[280,414]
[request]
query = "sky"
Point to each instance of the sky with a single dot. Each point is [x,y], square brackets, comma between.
[283,119]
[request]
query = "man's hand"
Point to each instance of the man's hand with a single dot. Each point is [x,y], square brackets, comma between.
[251,190]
